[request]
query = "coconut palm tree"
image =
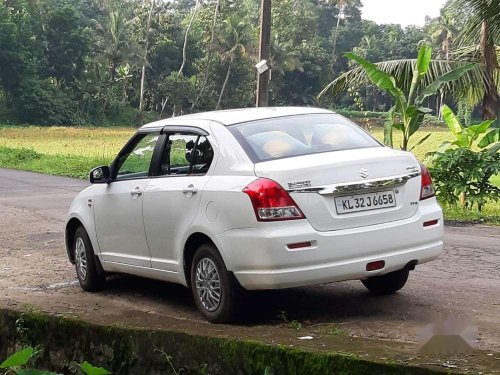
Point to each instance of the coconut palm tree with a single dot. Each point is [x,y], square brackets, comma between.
[341,6]
[115,43]
[444,33]
[482,33]
[477,44]
[146,46]
[208,54]
[186,35]
[283,58]
[234,38]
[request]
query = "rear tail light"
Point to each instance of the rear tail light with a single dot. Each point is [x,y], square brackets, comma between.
[271,202]
[426,189]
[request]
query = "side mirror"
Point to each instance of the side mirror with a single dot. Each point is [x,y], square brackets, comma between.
[100,175]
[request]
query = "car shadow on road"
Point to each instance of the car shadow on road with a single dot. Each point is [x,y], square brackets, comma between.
[336,302]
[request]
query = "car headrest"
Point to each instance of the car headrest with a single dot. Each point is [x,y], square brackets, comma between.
[189,150]
[204,152]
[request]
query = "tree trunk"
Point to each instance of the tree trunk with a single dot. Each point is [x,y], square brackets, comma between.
[193,15]
[224,86]
[146,44]
[336,35]
[374,99]
[112,70]
[163,105]
[438,105]
[207,67]
[440,113]
[491,101]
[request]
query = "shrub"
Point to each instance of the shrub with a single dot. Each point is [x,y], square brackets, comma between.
[45,104]
[463,174]
[361,114]
[12,156]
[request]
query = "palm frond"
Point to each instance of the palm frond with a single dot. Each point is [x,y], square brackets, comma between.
[476,12]
[469,86]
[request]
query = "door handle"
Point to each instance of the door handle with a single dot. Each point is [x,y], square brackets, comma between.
[136,192]
[190,190]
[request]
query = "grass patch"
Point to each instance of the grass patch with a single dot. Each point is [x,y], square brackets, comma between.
[62,151]
[90,142]
[74,151]
[58,165]
[331,330]
[438,136]
[490,214]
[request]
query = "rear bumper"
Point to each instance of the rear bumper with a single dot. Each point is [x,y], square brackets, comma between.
[260,258]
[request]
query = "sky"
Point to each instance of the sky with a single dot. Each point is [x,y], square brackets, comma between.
[404,12]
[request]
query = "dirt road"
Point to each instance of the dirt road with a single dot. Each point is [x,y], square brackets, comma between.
[463,282]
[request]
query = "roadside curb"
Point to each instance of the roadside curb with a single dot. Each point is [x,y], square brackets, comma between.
[125,350]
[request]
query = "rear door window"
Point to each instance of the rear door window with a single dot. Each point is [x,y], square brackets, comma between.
[299,135]
[186,154]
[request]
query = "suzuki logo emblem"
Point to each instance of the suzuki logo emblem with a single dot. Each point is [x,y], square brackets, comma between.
[363,173]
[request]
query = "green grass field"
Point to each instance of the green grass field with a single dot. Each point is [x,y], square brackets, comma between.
[74,151]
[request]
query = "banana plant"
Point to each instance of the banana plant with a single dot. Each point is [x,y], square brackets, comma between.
[408,110]
[18,364]
[466,136]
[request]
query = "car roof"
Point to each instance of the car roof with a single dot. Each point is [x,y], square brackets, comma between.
[235,116]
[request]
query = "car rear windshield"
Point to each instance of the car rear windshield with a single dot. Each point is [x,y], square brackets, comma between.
[289,136]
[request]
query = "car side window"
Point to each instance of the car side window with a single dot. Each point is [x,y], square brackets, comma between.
[136,162]
[203,156]
[186,154]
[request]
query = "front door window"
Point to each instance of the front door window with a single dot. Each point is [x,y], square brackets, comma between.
[136,163]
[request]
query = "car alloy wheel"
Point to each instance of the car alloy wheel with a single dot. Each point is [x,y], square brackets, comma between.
[214,288]
[88,270]
[208,285]
[81,259]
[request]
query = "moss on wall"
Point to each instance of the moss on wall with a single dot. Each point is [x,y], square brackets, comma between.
[134,351]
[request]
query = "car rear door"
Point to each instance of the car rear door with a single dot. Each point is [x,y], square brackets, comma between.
[118,205]
[172,200]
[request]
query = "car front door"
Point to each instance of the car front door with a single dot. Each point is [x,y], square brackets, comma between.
[118,205]
[172,200]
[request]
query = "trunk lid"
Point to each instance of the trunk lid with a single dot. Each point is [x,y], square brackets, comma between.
[316,180]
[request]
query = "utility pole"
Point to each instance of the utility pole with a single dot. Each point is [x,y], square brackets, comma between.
[264,53]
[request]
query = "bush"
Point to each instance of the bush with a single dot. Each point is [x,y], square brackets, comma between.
[40,102]
[464,175]
[378,118]
[361,114]
[12,156]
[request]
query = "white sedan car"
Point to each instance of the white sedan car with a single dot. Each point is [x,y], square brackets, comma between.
[260,198]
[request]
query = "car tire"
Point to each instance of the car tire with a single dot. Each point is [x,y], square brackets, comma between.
[88,269]
[388,283]
[212,272]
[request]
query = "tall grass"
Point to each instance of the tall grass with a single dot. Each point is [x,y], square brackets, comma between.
[89,142]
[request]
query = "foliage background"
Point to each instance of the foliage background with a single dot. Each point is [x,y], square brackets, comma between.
[80,62]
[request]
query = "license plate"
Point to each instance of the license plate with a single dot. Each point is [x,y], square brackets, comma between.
[365,202]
